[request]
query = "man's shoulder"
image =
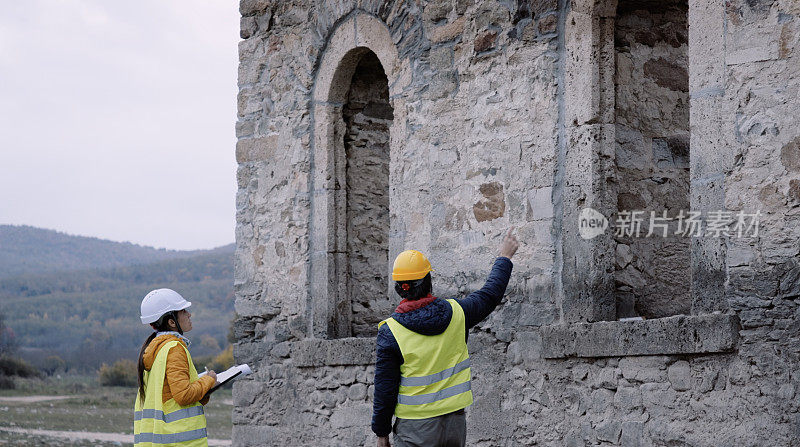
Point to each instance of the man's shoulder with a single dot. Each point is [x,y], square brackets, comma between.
[454,300]
[383,328]
[385,338]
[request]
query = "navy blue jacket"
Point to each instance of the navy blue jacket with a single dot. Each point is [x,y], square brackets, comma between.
[428,320]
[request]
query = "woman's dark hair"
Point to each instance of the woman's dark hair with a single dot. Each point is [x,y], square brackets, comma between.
[161,325]
[414,290]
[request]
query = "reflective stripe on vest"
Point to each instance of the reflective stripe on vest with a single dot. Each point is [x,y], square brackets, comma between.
[169,417]
[435,374]
[156,423]
[433,397]
[170,438]
[433,378]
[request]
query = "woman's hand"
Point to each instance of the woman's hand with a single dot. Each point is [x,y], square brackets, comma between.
[213,375]
[384,442]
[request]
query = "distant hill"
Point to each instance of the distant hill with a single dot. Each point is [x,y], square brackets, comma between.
[89,314]
[26,249]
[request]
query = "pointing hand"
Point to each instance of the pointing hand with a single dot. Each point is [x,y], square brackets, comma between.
[509,245]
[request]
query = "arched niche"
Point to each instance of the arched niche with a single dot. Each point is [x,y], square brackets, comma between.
[358,46]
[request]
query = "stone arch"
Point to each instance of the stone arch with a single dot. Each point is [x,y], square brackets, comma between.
[348,41]
[358,35]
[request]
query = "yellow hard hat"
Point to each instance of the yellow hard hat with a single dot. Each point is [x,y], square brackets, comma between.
[410,265]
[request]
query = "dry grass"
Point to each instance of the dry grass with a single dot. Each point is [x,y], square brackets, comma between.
[90,408]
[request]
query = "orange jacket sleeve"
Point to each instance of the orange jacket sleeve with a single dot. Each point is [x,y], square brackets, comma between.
[182,389]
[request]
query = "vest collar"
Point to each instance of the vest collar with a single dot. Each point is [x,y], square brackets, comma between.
[177,334]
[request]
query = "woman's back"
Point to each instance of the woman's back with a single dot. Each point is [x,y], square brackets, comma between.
[177,383]
[169,405]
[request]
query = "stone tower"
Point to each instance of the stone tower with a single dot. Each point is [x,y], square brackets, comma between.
[367,127]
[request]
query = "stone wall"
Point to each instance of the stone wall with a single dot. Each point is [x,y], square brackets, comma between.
[502,113]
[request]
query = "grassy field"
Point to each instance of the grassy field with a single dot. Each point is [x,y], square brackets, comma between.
[79,404]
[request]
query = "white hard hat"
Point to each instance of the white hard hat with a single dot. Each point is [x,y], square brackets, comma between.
[160,301]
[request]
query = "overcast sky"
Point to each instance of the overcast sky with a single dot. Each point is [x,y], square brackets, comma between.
[117,119]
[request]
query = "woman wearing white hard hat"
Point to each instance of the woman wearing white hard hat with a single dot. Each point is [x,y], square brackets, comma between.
[169,405]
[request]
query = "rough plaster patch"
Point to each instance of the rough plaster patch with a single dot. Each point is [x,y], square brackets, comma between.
[493,204]
[790,155]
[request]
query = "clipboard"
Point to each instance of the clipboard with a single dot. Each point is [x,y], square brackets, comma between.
[216,387]
[228,375]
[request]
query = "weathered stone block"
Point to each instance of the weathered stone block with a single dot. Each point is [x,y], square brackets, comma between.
[441,58]
[247,27]
[680,375]
[708,275]
[343,351]
[256,149]
[485,41]
[755,54]
[644,369]
[442,84]
[536,315]
[712,151]
[632,432]
[589,160]
[606,378]
[253,435]
[245,392]
[449,31]
[548,24]
[667,74]
[601,399]
[609,431]
[582,75]
[248,7]
[672,335]
[658,395]
[357,392]
[790,155]
[527,348]
[628,399]
[436,11]
[541,203]
[706,47]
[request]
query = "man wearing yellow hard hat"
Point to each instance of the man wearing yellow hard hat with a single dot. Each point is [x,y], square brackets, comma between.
[422,372]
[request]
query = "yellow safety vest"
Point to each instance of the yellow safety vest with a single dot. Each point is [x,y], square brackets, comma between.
[156,424]
[435,374]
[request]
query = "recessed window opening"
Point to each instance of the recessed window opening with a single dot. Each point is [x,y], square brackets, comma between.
[364,219]
[652,274]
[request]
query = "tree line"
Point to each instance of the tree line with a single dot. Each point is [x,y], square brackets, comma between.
[80,320]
